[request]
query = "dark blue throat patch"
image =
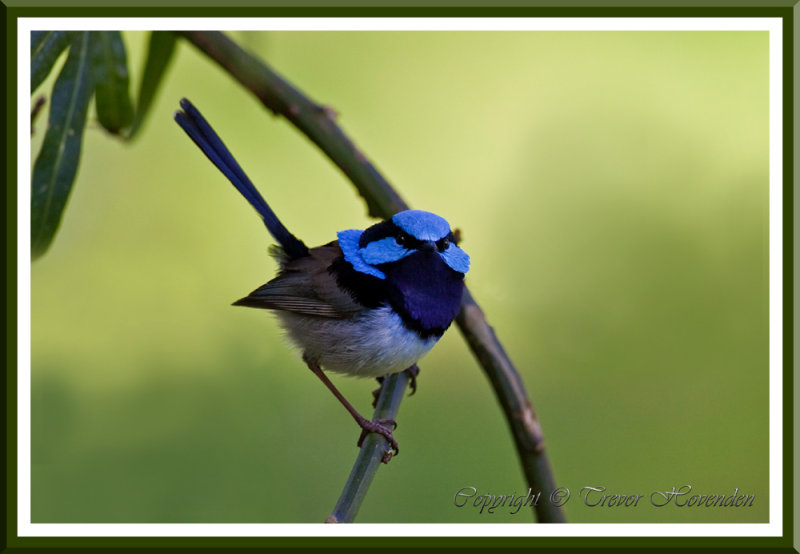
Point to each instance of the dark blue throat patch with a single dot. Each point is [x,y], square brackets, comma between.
[421,289]
[424,291]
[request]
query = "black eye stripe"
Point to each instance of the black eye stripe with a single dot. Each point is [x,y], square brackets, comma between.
[377,232]
[388,228]
[408,241]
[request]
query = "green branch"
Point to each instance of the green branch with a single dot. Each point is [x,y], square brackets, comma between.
[317,122]
[372,452]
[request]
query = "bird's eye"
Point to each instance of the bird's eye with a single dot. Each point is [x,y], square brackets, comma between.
[402,239]
[442,244]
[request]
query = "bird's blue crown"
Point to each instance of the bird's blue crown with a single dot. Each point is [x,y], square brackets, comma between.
[392,240]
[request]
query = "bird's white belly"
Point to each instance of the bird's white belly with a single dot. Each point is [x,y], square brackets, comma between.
[371,344]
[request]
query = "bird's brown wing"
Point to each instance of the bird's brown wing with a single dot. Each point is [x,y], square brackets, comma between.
[305,286]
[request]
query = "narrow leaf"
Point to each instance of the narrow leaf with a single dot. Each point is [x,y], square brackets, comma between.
[55,167]
[159,54]
[46,47]
[110,73]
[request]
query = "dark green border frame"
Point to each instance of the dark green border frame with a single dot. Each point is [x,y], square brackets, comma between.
[787,10]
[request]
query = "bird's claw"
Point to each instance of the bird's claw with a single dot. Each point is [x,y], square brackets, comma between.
[377,392]
[379,426]
[412,372]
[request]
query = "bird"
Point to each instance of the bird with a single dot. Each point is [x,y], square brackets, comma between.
[370,303]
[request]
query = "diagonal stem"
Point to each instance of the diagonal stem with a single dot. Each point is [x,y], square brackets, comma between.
[372,451]
[318,124]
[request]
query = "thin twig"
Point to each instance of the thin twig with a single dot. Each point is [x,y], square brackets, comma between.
[372,451]
[519,412]
[317,122]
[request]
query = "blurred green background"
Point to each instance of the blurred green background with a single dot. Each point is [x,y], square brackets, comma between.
[612,190]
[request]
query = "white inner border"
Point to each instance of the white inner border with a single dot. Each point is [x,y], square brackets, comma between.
[773,528]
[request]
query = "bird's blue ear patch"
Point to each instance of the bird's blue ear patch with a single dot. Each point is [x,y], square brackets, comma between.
[348,242]
[422,225]
[383,251]
[457,259]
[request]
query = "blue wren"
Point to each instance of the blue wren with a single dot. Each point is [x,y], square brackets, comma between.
[371,303]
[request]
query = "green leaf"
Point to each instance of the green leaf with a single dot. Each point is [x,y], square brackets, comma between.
[55,167]
[46,47]
[110,72]
[159,54]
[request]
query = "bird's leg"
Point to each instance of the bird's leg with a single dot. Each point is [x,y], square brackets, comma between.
[368,426]
[377,392]
[412,372]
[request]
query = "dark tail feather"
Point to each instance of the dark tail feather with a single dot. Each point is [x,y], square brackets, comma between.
[212,146]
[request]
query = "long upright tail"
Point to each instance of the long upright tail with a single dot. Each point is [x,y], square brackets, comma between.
[212,146]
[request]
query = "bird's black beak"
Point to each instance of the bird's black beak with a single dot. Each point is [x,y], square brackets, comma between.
[427,246]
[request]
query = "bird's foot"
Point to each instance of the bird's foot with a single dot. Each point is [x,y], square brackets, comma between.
[377,392]
[412,373]
[381,427]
